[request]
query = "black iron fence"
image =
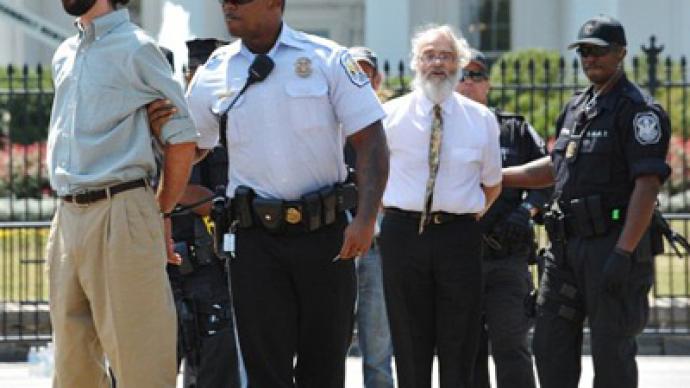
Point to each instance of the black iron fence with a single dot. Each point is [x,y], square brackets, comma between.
[534,83]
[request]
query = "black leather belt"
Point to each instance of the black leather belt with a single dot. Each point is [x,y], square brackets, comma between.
[436,218]
[89,197]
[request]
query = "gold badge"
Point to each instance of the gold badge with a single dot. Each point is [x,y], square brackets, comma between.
[292,215]
[303,67]
[571,149]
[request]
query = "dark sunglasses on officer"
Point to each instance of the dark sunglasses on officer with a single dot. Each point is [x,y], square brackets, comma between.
[234,2]
[474,76]
[593,51]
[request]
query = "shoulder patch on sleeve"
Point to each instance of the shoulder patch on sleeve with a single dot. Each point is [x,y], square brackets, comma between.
[647,128]
[353,71]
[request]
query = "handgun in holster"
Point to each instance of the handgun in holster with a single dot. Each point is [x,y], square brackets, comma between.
[242,206]
[346,195]
[554,223]
[203,243]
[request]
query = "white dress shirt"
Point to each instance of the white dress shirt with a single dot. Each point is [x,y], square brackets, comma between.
[470,153]
[285,134]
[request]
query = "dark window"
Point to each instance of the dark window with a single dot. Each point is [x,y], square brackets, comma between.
[493,25]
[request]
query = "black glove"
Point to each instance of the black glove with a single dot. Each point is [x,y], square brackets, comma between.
[616,272]
[516,229]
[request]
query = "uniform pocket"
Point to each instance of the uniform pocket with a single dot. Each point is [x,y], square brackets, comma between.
[308,103]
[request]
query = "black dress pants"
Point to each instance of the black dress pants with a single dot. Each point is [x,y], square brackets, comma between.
[433,290]
[294,306]
[573,284]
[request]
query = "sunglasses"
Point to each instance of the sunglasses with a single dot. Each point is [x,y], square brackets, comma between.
[593,51]
[234,2]
[475,76]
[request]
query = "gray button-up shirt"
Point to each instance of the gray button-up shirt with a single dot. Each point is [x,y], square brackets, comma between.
[99,133]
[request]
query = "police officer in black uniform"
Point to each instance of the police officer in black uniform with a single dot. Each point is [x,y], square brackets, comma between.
[206,337]
[509,245]
[608,164]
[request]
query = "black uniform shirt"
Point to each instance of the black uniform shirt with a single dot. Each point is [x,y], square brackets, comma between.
[520,144]
[209,172]
[602,150]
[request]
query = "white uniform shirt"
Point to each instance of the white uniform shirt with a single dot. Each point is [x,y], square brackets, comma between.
[470,153]
[285,134]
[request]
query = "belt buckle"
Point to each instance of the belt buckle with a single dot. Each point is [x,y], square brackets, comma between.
[436,218]
[293,215]
[75,202]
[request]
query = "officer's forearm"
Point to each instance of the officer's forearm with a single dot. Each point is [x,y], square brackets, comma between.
[177,165]
[640,210]
[371,149]
[536,174]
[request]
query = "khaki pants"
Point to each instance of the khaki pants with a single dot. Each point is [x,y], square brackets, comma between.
[109,294]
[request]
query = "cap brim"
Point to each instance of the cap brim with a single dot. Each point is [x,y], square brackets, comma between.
[478,63]
[592,41]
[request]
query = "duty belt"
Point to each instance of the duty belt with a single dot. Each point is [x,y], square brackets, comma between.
[89,197]
[582,217]
[436,218]
[311,212]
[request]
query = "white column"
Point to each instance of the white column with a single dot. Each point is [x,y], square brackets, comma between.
[387,29]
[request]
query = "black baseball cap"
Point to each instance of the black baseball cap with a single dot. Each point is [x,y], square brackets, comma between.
[200,49]
[602,31]
[479,58]
[365,54]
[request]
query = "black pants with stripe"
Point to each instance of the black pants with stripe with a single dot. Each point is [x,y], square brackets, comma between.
[294,306]
[433,290]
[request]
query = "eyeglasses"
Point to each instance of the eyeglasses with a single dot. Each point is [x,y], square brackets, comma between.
[443,57]
[474,76]
[235,2]
[593,51]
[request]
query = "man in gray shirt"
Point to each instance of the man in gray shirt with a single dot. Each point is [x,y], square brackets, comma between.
[109,293]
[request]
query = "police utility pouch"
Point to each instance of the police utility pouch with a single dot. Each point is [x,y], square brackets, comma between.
[312,207]
[270,213]
[329,209]
[242,206]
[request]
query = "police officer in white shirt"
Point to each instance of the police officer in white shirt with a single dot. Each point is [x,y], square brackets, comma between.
[293,281]
[445,171]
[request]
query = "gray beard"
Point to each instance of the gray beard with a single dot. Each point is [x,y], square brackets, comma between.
[436,91]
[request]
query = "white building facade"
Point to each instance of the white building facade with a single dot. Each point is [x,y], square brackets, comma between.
[384,25]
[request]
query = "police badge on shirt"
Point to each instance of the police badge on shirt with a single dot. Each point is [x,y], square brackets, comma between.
[354,72]
[647,128]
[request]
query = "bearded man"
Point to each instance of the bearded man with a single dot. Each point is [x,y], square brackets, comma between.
[445,171]
[109,293]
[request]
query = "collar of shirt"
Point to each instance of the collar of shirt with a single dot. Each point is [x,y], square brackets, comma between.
[286,37]
[425,106]
[101,25]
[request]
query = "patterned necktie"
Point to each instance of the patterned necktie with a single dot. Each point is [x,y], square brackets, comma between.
[434,159]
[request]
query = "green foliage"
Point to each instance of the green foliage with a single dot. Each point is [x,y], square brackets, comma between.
[534,83]
[537,83]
